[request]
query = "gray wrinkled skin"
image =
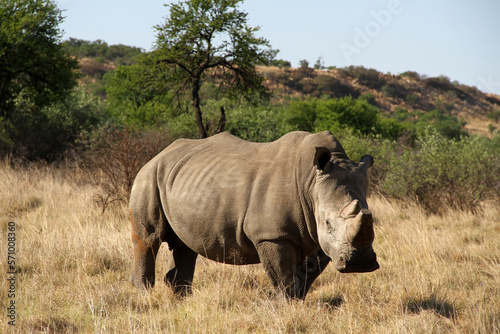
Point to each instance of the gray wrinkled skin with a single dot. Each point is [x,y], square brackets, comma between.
[293,205]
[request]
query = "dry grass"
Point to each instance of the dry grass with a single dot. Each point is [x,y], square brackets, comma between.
[438,274]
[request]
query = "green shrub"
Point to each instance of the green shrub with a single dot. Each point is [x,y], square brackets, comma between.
[368,97]
[336,115]
[388,90]
[494,115]
[442,173]
[366,76]
[257,124]
[382,150]
[412,75]
[138,96]
[51,131]
[412,99]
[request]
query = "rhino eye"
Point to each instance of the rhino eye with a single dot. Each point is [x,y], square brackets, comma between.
[329,226]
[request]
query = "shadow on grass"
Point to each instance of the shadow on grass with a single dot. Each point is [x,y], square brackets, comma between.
[441,307]
[55,325]
[332,302]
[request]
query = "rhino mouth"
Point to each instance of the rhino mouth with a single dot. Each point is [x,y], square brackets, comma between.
[363,261]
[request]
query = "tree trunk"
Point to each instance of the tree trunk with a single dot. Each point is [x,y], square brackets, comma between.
[197,110]
[222,120]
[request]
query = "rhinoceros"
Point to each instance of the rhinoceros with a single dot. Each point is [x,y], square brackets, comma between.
[293,205]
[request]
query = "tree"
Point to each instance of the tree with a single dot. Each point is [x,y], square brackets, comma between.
[35,73]
[32,62]
[138,96]
[203,39]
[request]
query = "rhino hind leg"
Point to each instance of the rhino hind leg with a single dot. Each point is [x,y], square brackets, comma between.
[180,269]
[143,270]
[149,225]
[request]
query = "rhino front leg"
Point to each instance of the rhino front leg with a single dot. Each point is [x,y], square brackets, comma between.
[279,259]
[180,265]
[309,269]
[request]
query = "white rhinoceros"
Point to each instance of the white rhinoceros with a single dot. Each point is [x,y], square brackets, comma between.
[293,205]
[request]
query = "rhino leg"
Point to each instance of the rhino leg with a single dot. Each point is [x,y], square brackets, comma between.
[309,269]
[180,269]
[279,259]
[148,228]
[143,270]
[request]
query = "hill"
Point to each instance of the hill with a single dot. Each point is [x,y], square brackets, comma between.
[406,97]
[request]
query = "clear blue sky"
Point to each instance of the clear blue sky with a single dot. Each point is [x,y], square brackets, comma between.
[459,39]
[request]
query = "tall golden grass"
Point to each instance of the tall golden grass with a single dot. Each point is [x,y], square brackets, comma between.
[439,274]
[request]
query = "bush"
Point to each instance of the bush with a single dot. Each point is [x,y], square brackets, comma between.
[118,154]
[382,150]
[257,124]
[138,96]
[412,99]
[412,75]
[366,76]
[494,115]
[368,97]
[337,115]
[388,90]
[331,86]
[443,173]
[50,132]
[280,63]
[442,83]
[346,113]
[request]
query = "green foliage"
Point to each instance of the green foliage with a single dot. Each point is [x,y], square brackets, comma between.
[416,122]
[412,99]
[337,115]
[255,123]
[412,75]
[366,76]
[320,64]
[121,54]
[203,39]
[139,96]
[280,63]
[384,151]
[368,97]
[442,83]
[326,85]
[443,173]
[33,63]
[301,115]
[50,132]
[388,90]
[494,115]
[343,113]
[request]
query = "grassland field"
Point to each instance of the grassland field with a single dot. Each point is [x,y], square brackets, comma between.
[439,274]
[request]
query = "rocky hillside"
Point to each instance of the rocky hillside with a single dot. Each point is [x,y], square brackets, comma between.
[406,93]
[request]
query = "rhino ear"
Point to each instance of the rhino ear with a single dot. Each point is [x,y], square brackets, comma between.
[366,162]
[322,157]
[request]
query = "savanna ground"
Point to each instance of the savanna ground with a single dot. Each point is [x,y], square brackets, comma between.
[439,274]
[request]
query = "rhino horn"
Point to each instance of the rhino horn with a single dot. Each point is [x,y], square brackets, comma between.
[351,210]
[361,229]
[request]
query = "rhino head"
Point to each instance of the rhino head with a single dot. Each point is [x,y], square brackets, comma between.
[344,223]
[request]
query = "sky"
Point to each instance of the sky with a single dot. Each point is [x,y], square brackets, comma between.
[456,38]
